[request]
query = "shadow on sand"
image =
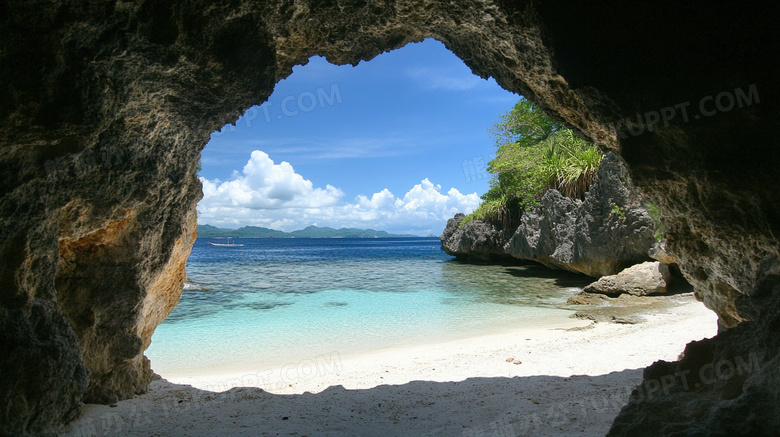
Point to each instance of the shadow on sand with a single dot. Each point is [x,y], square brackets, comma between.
[562,278]
[494,406]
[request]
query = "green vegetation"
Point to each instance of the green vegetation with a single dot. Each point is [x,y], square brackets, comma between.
[618,211]
[535,153]
[655,214]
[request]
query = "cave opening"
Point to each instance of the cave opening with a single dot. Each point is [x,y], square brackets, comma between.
[327,151]
[396,145]
[93,249]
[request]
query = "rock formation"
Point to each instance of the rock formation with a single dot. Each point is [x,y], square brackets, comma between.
[105,106]
[639,280]
[475,241]
[724,386]
[601,235]
[658,252]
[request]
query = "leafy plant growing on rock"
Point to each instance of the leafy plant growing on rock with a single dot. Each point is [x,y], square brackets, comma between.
[535,153]
[655,214]
[618,211]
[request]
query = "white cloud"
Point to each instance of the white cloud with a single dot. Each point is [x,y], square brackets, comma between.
[274,196]
[265,185]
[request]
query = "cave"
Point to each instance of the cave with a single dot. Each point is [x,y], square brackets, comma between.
[105,107]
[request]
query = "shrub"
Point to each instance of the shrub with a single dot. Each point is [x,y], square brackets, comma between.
[535,153]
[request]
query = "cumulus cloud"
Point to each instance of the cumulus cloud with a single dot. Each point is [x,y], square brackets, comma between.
[423,208]
[266,185]
[274,196]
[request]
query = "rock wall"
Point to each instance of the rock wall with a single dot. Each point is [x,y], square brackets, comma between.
[724,386]
[105,106]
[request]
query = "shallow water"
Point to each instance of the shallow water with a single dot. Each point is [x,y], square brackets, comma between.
[276,301]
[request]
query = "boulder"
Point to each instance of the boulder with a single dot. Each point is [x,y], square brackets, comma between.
[639,280]
[477,240]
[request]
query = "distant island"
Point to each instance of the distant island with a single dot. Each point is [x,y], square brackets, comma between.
[208,231]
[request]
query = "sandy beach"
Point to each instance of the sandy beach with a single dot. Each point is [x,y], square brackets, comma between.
[569,379]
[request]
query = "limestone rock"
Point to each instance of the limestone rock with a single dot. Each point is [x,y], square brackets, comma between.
[585,298]
[51,395]
[639,280]
[658,252]
[601,235]
[725,386]
[626,308]
[475,241]
[609,317]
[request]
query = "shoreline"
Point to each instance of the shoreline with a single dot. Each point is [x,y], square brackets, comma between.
[569,379]
[545,350]
[213,376]
[313,374]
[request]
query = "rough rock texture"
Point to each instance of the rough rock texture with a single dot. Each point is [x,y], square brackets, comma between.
[724,386]
[475,241]
[590,236]
[104,107]
[98,264]
[584,298]
[601,235]
[626,308]
[620,316]
[638,280]
[659,253]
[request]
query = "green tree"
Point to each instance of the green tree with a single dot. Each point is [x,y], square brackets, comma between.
[534,153]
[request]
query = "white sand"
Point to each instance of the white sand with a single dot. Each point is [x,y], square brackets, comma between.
[455,388]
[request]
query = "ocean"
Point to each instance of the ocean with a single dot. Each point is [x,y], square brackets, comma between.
[277,301]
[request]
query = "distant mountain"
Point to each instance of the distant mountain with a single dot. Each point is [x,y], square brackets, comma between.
[208,231]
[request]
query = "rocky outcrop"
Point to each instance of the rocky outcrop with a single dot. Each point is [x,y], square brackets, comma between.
[584,298]
[601,235]
[105,106]
[639,280]
[625,308]
[475,241]
[724,386]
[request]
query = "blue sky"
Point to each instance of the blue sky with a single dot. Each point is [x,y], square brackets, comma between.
[395,143]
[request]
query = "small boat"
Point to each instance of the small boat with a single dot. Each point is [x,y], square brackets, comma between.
[228,244]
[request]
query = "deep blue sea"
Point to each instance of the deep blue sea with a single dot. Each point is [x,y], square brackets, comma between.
[275,301]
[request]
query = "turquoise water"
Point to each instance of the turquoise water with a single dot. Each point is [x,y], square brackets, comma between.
[276,301]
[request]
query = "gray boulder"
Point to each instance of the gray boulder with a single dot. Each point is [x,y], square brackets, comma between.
[599,236]
[639,280]
[475,241]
